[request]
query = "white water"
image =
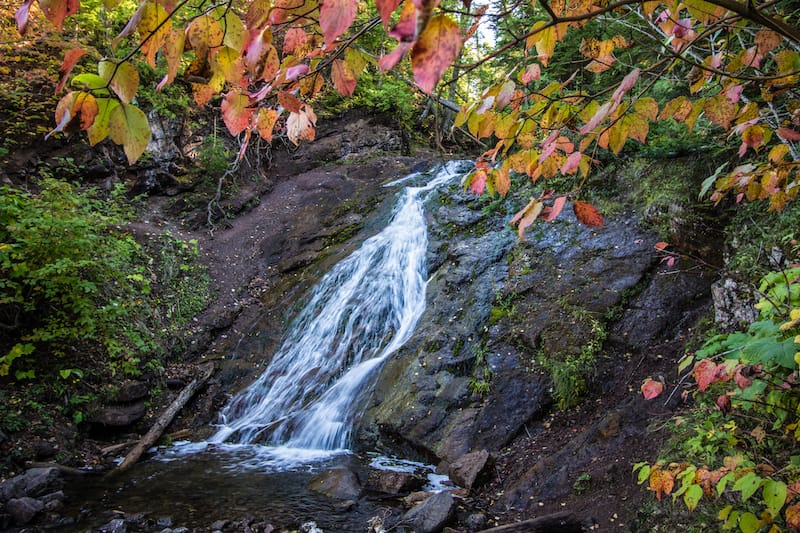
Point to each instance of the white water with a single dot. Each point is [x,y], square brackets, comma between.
[361,312]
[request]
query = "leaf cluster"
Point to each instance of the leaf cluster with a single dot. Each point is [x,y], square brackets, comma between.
[748,389]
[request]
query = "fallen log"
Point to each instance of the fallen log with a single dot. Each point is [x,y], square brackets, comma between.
[559,522]
[163,421]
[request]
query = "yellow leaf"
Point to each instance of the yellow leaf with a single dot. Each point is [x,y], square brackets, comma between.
[123,78]
[153,29]
[128,126]
[99,129]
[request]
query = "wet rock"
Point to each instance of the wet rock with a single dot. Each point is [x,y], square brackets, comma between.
[394,482]
[219,525]
[415,498]
[117,525]
[34,482]
[23,510]
[119,415]
[53,501]
[431,515]
[164,521]
[467,469]
[341,483]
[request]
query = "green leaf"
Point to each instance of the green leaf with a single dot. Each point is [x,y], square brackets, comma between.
[685,361]
[774,495]
[748,485]
[693,496]
[709,181]
[723,483]
[99,128]
[749,523]
[644,474]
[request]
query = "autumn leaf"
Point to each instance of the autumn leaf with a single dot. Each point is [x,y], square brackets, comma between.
[123,78]
[153,28]
[21,16]
[661,482]
[265,123]
[344,79]
[550,213]
[75,111]
[720,110]
[651,388]
[478,180]
[532,73]
[58,10]
[127,125]
[294,40]
[385,9]
[501,180]
[99,128]
[335,16]
[289,102]
[434,51]
[70,60]
[705,373]
[788,134]
[236,112]
[300,125]
[173,50]
[587,214]
[257,13]
[626,85]
[793,516]
[527,216]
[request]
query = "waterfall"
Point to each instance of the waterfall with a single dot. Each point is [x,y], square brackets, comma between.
[359,313]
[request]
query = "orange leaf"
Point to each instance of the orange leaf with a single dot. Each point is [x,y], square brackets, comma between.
[528,216]
[587,214]
[70,60]
[478,182]
[793,516]
[289,102]
[652,389]
[58,10]
[434,51]
[265,123]
[720,110]
[257,13]
[235,112]
[660,246]
[502,180]
[335,16]
[344,79]
[173,50]
[788,135]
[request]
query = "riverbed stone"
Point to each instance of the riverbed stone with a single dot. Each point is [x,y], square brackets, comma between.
[339,482]
[23,510]
[394,481]
[34,482]
[467,469]
[432,514]
[119,415]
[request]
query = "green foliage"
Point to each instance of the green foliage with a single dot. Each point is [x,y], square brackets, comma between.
[736,445]
[78,293]
[65,269]
[570,372]
[480,383]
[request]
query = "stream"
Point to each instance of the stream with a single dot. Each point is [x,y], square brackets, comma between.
[296,419]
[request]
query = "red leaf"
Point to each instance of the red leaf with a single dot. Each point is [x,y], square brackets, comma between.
[555,210]
[571,164]
[788,135]
[705,373]
[235,112]
[532,73]
[57,10]
[724,403]
[406,28]
[21,16]
[70,60]
[335,16]
[478,182]
[434,51]
[343,78]
[652,388]
[660,246]
[587,214]
[294,39]
[386,8]
[627,83]
[388,61]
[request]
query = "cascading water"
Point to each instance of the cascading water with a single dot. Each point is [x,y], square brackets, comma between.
[358,315]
